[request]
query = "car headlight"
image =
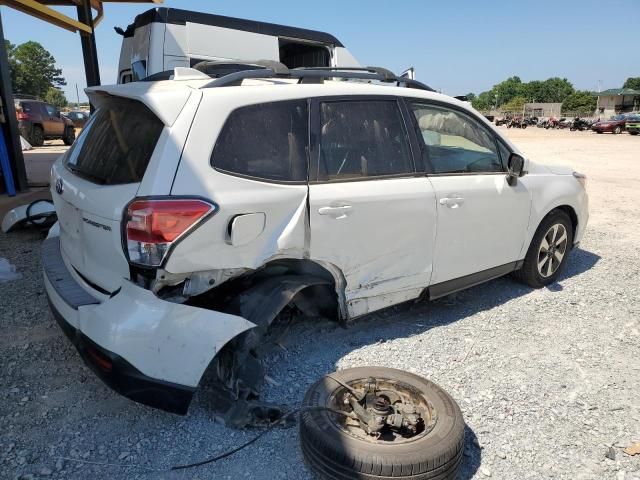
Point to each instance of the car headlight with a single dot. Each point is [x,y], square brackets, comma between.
[582,178]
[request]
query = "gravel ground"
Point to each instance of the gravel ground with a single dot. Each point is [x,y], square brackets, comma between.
[548,380]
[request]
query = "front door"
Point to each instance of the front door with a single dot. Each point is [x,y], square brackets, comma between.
[482,220]
[370,214]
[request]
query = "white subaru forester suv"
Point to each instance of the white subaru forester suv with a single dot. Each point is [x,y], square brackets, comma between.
[194,210]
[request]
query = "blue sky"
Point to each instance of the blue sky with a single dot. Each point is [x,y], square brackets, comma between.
[457,46]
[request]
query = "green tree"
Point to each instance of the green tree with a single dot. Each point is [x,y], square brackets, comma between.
[580,102]
[516,104]
[484,101]
[33,69]
[632,82]
[508,89]
[56,97]
[555,89]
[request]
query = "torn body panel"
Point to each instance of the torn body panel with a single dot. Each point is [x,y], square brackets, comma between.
[39,213]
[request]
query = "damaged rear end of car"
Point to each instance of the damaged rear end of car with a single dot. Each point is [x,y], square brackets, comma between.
[174,256]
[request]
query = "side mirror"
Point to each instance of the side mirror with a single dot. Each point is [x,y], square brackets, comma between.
[515,169]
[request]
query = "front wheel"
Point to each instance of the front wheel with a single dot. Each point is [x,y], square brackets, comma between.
[548,251]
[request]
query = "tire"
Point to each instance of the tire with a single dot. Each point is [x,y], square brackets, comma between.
[333,453]
[633,133]
[617,130]
[530,273]
[37,136]
[599,131]
[69,136]
[524,125]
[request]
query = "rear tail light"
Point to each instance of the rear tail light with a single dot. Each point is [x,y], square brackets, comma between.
[154,225]
[23,115]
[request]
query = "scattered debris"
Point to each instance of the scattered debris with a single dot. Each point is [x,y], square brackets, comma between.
[633,449]
[8,271]
[611,453]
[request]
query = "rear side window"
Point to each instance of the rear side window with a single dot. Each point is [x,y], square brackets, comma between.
[116,144]
[266,141]
[360,139]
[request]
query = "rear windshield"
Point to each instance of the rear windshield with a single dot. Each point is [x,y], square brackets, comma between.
[116,144]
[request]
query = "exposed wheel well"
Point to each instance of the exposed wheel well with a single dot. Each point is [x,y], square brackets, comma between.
[572,215]
[308,285]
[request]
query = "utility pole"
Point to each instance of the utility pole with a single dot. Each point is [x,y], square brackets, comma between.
[77,98]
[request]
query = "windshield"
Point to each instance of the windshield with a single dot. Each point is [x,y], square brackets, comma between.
[116,144]
[617,117]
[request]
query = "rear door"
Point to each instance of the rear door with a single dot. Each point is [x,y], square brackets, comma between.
[371,215]
[94,181]
[482,220]
[55,123]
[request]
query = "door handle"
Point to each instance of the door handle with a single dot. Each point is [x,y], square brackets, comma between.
[452,202]
[335,212]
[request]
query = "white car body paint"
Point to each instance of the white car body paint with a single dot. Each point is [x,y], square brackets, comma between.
[18,215]
[394,241]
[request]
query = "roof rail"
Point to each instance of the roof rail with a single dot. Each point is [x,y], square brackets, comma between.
[318,73]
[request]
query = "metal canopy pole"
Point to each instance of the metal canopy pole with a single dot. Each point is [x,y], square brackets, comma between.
[89,51]
[9,128]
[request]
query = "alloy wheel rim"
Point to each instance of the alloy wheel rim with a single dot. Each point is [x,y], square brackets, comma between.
[553,248]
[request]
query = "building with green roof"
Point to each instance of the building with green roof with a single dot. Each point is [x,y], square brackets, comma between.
[617,100]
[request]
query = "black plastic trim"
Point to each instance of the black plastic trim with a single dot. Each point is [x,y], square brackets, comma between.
[177,16]
[450,286]
[60,278]
[124,378]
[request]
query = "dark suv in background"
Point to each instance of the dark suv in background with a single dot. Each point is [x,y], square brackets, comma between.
[39,121]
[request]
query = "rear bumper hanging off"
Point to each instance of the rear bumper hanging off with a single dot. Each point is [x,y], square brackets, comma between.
[147,349]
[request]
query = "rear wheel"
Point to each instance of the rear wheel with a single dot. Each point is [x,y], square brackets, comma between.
[633,133]
[37,136]
[617,130]
[414,430]
[69,136]
[548,251]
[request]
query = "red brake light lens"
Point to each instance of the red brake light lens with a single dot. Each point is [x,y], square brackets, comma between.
[153,225]
[22,115]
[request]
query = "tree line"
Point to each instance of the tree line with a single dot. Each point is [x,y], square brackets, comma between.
[33,72]
[513,93]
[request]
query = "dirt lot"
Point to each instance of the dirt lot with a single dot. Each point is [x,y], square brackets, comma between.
[548,380]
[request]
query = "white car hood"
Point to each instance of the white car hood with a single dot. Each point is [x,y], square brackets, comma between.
[534,167]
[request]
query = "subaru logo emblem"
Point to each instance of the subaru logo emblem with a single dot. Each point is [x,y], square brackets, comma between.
[59,186]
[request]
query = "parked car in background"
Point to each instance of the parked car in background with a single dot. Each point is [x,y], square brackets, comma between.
[615,125]
[633,124]
[186,204]
[78,118]
[39,121]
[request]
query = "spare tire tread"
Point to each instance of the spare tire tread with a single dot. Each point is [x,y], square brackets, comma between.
[326,454]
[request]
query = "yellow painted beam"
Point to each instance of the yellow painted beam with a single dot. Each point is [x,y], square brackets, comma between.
[49,15]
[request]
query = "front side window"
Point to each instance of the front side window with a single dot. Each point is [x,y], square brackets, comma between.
[360,139]
[454,142]
[266,141]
